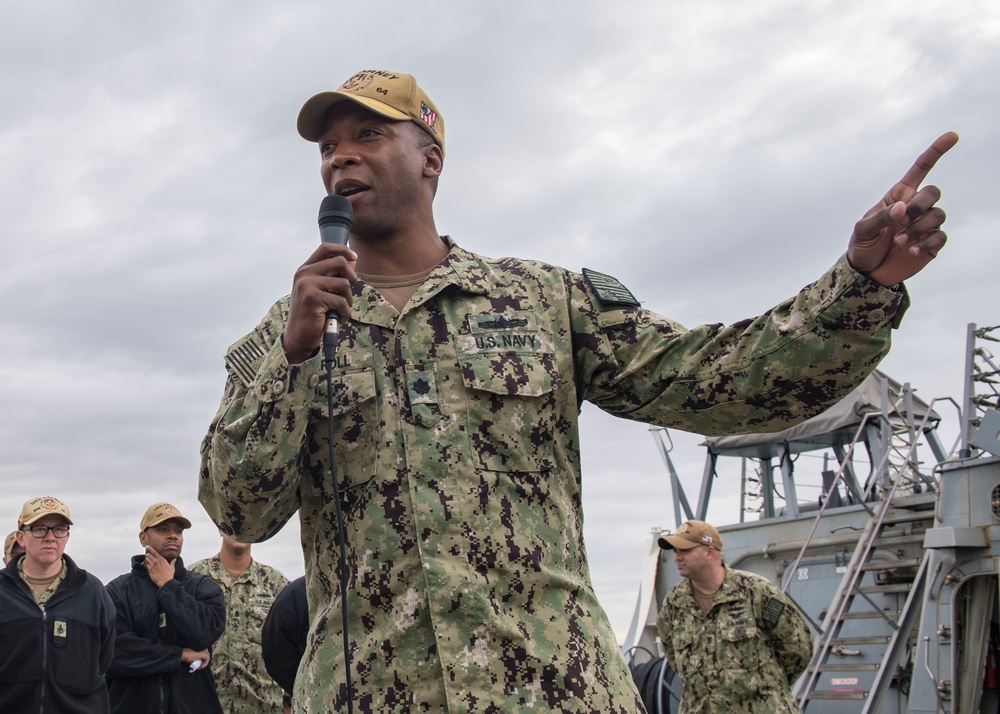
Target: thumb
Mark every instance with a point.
(870, 227)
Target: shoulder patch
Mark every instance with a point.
(609, 291)
(245, 357)
(773, 610)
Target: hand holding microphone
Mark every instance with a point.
(321, 290)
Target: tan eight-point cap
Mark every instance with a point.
(393, 95)
(159, 512)
(42, 506)
(690, 535)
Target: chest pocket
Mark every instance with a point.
(689, 653)
(511, 382)
(739, 645)
(356, 426)
(256, 612)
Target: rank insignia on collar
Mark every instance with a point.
(422, 387)
(609, 291)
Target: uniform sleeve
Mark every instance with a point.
(786, 631)
(251, 456)
(664, 627)
(761, 374)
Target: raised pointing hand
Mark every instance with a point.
(902, 233)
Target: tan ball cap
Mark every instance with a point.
(8, 544)
(42, 506)
(690, 535)
(393, 95)
(159, 512)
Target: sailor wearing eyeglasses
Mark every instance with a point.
(57, 623)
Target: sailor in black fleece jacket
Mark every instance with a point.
(57, 634)
(168, 619)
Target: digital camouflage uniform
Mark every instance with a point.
(458, 458)
(743, 656)
(243, 684)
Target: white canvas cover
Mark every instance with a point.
(837, 425)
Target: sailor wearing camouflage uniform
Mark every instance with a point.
(735, 640)
(457, 391)
(250, 588)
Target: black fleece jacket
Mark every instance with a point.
(53, 659)
(154, 625)
(283, 636)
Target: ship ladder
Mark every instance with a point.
(829, 640)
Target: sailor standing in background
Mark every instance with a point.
(735, 640)
(57, 623)
(11, 547)
(283, 639)
(168, 619)
(250, 588)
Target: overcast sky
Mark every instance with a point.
(714, 156)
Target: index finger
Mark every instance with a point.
(325, 251)
(925, 162)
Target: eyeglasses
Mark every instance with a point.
(42, 531)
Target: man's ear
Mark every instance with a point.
(433, 161)
(142, 538)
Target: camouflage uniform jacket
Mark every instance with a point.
(744, 655)
(243, 684)
(458, 459)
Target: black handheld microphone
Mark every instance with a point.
(335, 218)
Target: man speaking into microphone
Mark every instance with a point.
(456, 393)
